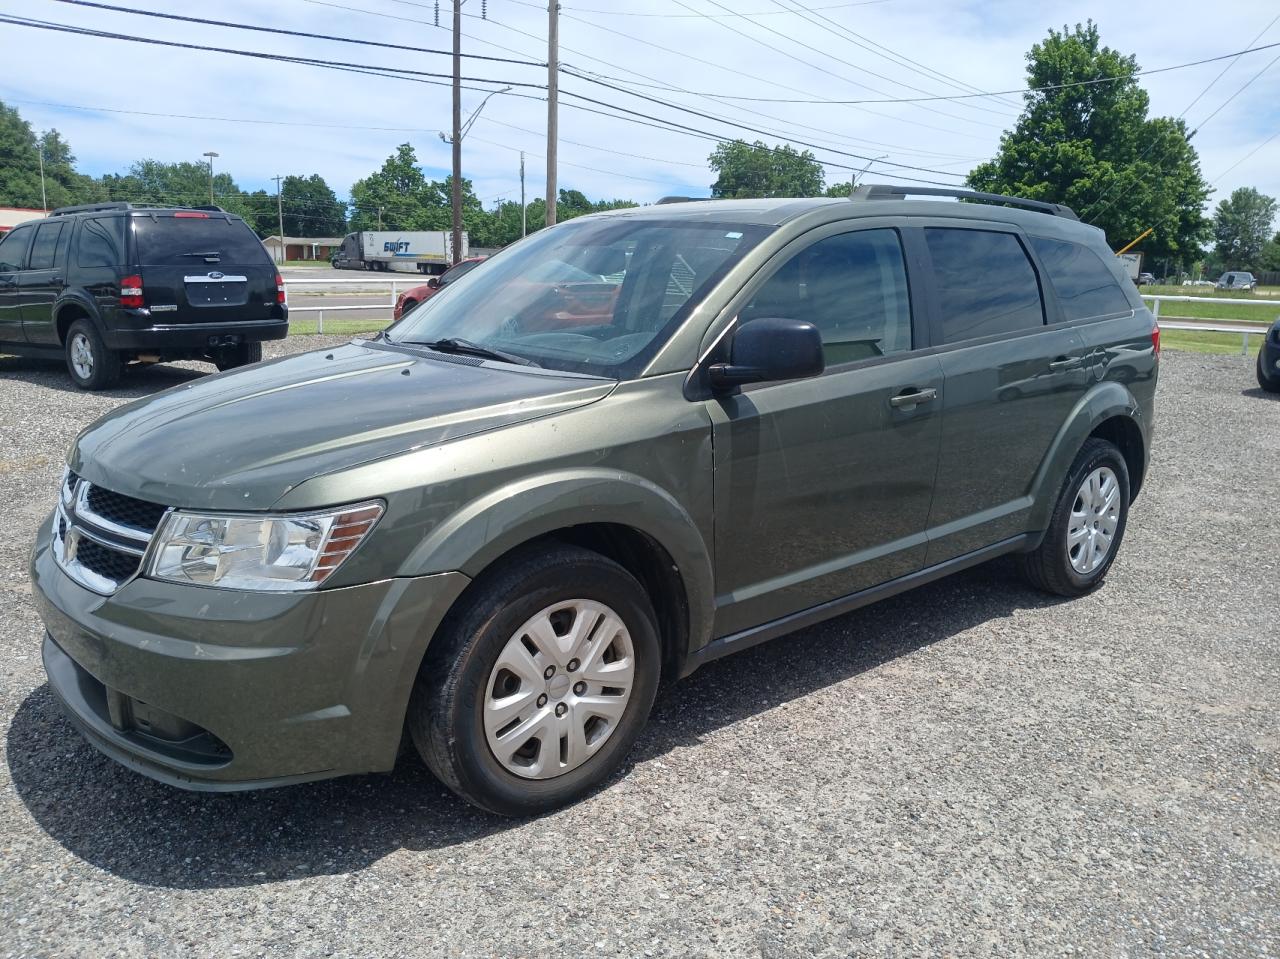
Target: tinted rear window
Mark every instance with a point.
(986, 284)
(1084, 285)
(101, 242)
(165, 241)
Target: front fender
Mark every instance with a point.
(1104, 401)
(474, 536)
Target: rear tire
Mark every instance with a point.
(243, 354)
(1268, 381)
(561, 720)
(1087, 524)
(91, 365)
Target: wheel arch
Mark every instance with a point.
(68, 311)
(1108, 411)
(621, 516)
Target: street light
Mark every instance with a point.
(472, 119)
(853, 185)
(460, 131)
(210, 154)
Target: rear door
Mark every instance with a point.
(44, 279)
(13, 261)
(203, 268)
(1011, 377)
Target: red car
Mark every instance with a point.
(411, 297)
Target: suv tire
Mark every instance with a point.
(240, 355)
(453, 717)
(91, 365)
(1086, 526)
(1268, 381)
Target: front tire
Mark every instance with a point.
(1268, 381)
(539, 683)
(91, 365)
(1087, 524)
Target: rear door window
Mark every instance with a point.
(101, 242)
(45, 245)
(1082, 282)
(986, 284)
(852, 287)
(197, 241)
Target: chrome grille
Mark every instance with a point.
(100, 536)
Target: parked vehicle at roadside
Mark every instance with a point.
(103, 284)
(1236, 280)
(411, 297)
(1269, 360)
(1146, 279)
(496, 527)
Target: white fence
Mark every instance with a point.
(374, 283)
(1244, 328)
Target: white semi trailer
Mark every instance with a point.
(427, 251)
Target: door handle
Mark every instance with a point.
(56, 281)
(1066, 363)
(908, 399)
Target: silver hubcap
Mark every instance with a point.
(1094, 518)
(81, 356)
(559, 689)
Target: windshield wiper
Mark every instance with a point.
(211, 255)
(453, 344)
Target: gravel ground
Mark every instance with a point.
(968, 770)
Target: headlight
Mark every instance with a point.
(286, 552)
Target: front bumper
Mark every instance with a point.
(222, 690)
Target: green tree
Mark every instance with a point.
(310, 208)
(393, 195)
(1240, 227)
(1094, 148)
(1269, 259)
(185, 183)
(759, 170)
(20, 156)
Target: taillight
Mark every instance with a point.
(279, 288)
(131, 291)
(1155, 339)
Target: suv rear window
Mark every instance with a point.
(986, 284)
(172, 240)
(1084, 285)
(101, 242)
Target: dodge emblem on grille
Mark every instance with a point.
(70, 544)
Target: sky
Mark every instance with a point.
(701, 54)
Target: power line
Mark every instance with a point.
(1219, 177)
(290, 33)
(676, 16)
(837, 59)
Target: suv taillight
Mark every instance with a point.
(131, 291)
(1155, 339)
(279, 288)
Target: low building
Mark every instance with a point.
(301, 247)
(11, 216)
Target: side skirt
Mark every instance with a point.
(756, 635)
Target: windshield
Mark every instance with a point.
(596, 296)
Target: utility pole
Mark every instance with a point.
(44, 200)
(456, 192)
(280, 215)
(379, 218)
(524, 221)
(553, 94)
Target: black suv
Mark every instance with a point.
(107, 283)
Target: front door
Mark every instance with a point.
(822, 486)
(13, 259)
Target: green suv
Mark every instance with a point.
(623, 447)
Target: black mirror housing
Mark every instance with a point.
(768, 349)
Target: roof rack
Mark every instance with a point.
(125, 205)
(681, 199)
(885, 191)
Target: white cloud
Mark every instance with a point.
(981, 43)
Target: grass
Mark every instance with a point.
(1225, 343)
(307, 327)
(304, 263)
(1266, 311)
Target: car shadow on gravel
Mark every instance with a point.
(1260, 394)
(138, 380)
(149, 833)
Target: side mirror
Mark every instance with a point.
(434, 283)
(768, 349)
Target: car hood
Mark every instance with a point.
(241, 440)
